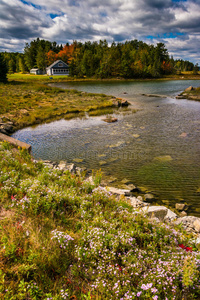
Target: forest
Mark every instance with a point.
(132, 59)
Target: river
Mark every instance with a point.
(158, 147)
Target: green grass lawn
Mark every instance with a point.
(28, 102)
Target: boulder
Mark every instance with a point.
(136, 203)
(170, 216)
(7, 127)
(124, 103)
(119, 192)
(189, 223)
(71, 168)
(197, 225)
(159, 212)
(131, 187)
(183, 214)
(181, 206)
(190, 88)
(149, 197)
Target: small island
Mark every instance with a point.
(191, 93)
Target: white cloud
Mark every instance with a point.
(147, 20)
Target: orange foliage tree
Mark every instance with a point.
(51, 57)
(67, 53)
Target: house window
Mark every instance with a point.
(60, 65)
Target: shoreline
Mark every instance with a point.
(141, 201)
(11, 129)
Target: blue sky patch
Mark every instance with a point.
(166, 35)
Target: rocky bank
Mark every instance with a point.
(140, 200)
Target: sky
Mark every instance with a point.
(176, 23)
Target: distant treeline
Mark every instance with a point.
(132, 59)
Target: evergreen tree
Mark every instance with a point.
(3, 69)
(41, 58)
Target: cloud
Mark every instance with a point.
(171, 21)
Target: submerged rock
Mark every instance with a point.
(163, 158)
(149, 197)
(110, 120)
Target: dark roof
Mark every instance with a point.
(57, 61)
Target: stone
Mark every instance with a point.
(131, 187)
(170, 216)
(126, 181)
(136, 135)
(119, 192)
(163, 158)
(189, 223)
(78, 160)
(3, 131)
(183, 214)
(110, 120)
(181, 96)
(197, 225)
(181, 206)
(159, 212)
(124, 102)
(7, 127)
(140, 198)
(136, 203)
(183, 134)
(102, 162)
(190, 88)
(71, 168)
(143, 189)
(149, 197)
(62, 165)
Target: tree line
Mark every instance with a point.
(132, 59)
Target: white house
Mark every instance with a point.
(37, 71)
(58, 68)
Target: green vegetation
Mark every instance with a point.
(30, 102)
(3, 69)
(191, 94)
(64, 238)
(132, 59)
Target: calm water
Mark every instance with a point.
(157, 147)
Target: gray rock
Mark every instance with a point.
(62, 165)
(149, 197)
(131, 187)
(159, 212)
(190, 88)
(7, 127)
(140, 198)
(71, 168)
(189, 223)
(196, 225)
(3, 131)
(181, 206)
(119, 192)
(183, 214)
(136, 203)
(170, 216)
